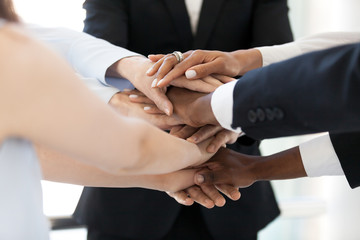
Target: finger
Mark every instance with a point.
(212, 81)
(193, 85)
(223, 78)
(204, 133)
(185, 132)
(154, 68)
(230, 191)
(132, 91)
(162, 101)
(152, 109)
(205, 69)
(181, 197)
(155, 57)
(175, 129)
(220, 139)
(212, 192)
(200, 197)
(211, 177)
(180, 68)
(140, 99)
(169, 62)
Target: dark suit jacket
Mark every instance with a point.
(154, 26)
(315, 92)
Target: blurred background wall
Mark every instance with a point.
(322, 208)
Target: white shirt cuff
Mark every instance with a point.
(222, 102)
(319, 157)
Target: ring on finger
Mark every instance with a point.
(178, 55)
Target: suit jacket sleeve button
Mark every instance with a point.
(252, 116)
(279, 114)
(260, 114)
(269, 114)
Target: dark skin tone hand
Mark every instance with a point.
(240, 170)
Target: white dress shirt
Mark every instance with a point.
(194, 9)
(318, 156)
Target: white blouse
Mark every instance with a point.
(21, 209)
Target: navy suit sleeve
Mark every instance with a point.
(315, 92)
(270, 23)
(107, 19)
(347, 149)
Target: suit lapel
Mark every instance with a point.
(178, 12)
(209, 13)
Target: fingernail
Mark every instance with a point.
(153, 84)
(192, 139)
(167, 111)
(126, 90)
(190, 74)
(149, 70)
(211, 148)
(147, 108)
(159, 82)
(200, 178)
(133, 96)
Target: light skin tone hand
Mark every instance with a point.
(201, 63)
(134, 69)
(123, 104)
(239, 170)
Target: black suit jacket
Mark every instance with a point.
(162, 26)
(315, 92)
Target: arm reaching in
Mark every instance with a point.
(239, 170)
(33, 106)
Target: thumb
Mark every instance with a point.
(209, 177)
(162, 101)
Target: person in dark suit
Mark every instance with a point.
(311, 93)
(152, 26)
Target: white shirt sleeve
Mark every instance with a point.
(319, 157)
(307, 44)
(89, 56)
(222, 102)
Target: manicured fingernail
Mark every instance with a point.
(211, 148)
(126, 90)
(159, 82)
(133, 96)
(190, 74)
(153, 84)
(200, 178)
(167, 111)
(147, 108)
(149, 70)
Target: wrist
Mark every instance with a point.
(247, 60)
(202, 111)
(126, 67)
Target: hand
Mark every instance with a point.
(201, 63)
(206, 195)
(134, 69)
(197, 135)
(127, 104)
(240, 170)
(192, 108)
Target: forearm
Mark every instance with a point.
(284, 165)
(61, 168)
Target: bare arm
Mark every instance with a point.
(33, 106)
